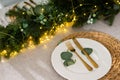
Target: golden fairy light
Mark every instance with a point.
(30, 43)
(66, 15)
(40, 27)
(74, 18)
(61, 28)
(81, 4)
(95, 6)
(13, 54)
(45, 38)
(106, 3)
(64, 30)
(69, 24)
(23, 13)
(84, 14)
(4, 52)
(42, 9)
(23, 47)
(118, 1)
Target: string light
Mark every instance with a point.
(65, 30)
(46, 37)
(40, 27)
(106, 3)
(118, 1)
(30, 43)
(69, 24)
(42, 9)
(23, 13)
(13, 54)
(73, 11)
(74, 18)
(66, 15)
(95, 6)
(84, 14)
(4, 52)
(81, 4)
(22, 50)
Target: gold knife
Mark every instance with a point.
(72, 49)
(86, 54)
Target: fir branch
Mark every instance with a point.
(7, 34)
(39, 18)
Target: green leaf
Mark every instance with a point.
(66, 55)
(2, 35)
(38, 9)
(88, 50)
(111, 19)
(69, 62)
(25, 25)
(41, 17)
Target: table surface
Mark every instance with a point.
(36, 64)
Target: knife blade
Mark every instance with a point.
(86, 54)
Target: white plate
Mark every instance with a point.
(78, 71)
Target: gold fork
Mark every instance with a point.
(72, 49)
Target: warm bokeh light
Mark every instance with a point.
(13, 54)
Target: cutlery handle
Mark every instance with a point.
(91, 60)
(86, 54)
(85, 64)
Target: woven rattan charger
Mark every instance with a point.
(112, 44)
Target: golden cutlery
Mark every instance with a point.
(86, 54)
(72, 49)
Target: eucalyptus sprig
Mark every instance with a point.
(67, 57)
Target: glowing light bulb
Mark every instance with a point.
(66, 15)
(42, 9)
(81, 4)
(23, 13)
(95, 6)
(4, 52)
(73, 11)
(30, 37)
(30, 43)
(74, 18)
(13, 54)
(46, 37)
(106, 3)
(40, 27)
(65, 30)
(84, 14)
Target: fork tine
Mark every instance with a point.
(69, 46)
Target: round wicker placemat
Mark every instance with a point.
(112, 44)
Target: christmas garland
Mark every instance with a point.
(30, 24)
